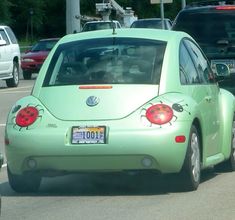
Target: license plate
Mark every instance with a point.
(88, 135)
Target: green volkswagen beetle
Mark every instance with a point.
(122, 100)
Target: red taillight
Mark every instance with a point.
(159, 114)
(226, 7)
(26, 116)
(180, 139)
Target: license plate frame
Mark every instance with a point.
(88, 135)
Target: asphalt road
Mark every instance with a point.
(111, 197)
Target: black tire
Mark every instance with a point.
(191, 171)
(231, 161)
(29, 182)
(14, 81)
(27, 75)
(229, 165)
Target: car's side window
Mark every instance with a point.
(11, 35)
(188, 72)
(4, 36)
(200, 61)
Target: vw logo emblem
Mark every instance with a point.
(92, 101)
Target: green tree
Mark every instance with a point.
(28, 17)
(33, 19)
(54, 20)
(5, 16)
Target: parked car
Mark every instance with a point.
(9, 56)
(152, 23)
(100, 25)
(33, 59)
(213, 26)
(122, 102)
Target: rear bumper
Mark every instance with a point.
(31, 67)
(46, 151)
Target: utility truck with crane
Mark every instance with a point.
(126, 15)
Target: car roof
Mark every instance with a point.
(145, 33)
(208, 5)
(3, 26)
(49, 39)
(151, 19)
(90, 22)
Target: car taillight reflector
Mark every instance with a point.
(159, 114)
(180, 139)
(226, 7)
(26, 116)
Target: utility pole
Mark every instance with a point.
(162, 14)
(73, 16)
(161, 2)
(183, 3)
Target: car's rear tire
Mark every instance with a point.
(14, 81)
(28, 182)
(231, 161)
(191, 170)
(27, 75)
(229, 165)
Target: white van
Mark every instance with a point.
(100, 25)
(9, 57)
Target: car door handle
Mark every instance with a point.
(208, 98)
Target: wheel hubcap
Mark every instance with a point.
(195, 157)
(16, 76)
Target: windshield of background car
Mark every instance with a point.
(106, 61)
(99, 26)
(213, 30)
(147, 24)
(44, 45)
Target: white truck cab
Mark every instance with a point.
(9, 57)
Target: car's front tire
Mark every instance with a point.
(28, 182)
(191, 171)
(14, 81)
(27, 75)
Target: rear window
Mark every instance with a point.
(106, 61)
(210, 27)
(45, 45)
(99, 26)
(11, 35)
(147, 24)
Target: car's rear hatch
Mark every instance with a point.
(105, 103)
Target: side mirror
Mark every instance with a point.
(3, 42)
(222, 71)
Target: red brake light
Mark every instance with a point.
(225, 7)
(180, 139)
(96, 87)
(26, 116)
(159, 114)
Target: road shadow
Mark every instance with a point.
(107, 185)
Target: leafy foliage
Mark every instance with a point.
(42, 18)
(5, 17)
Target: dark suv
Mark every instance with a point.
(212, 24)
